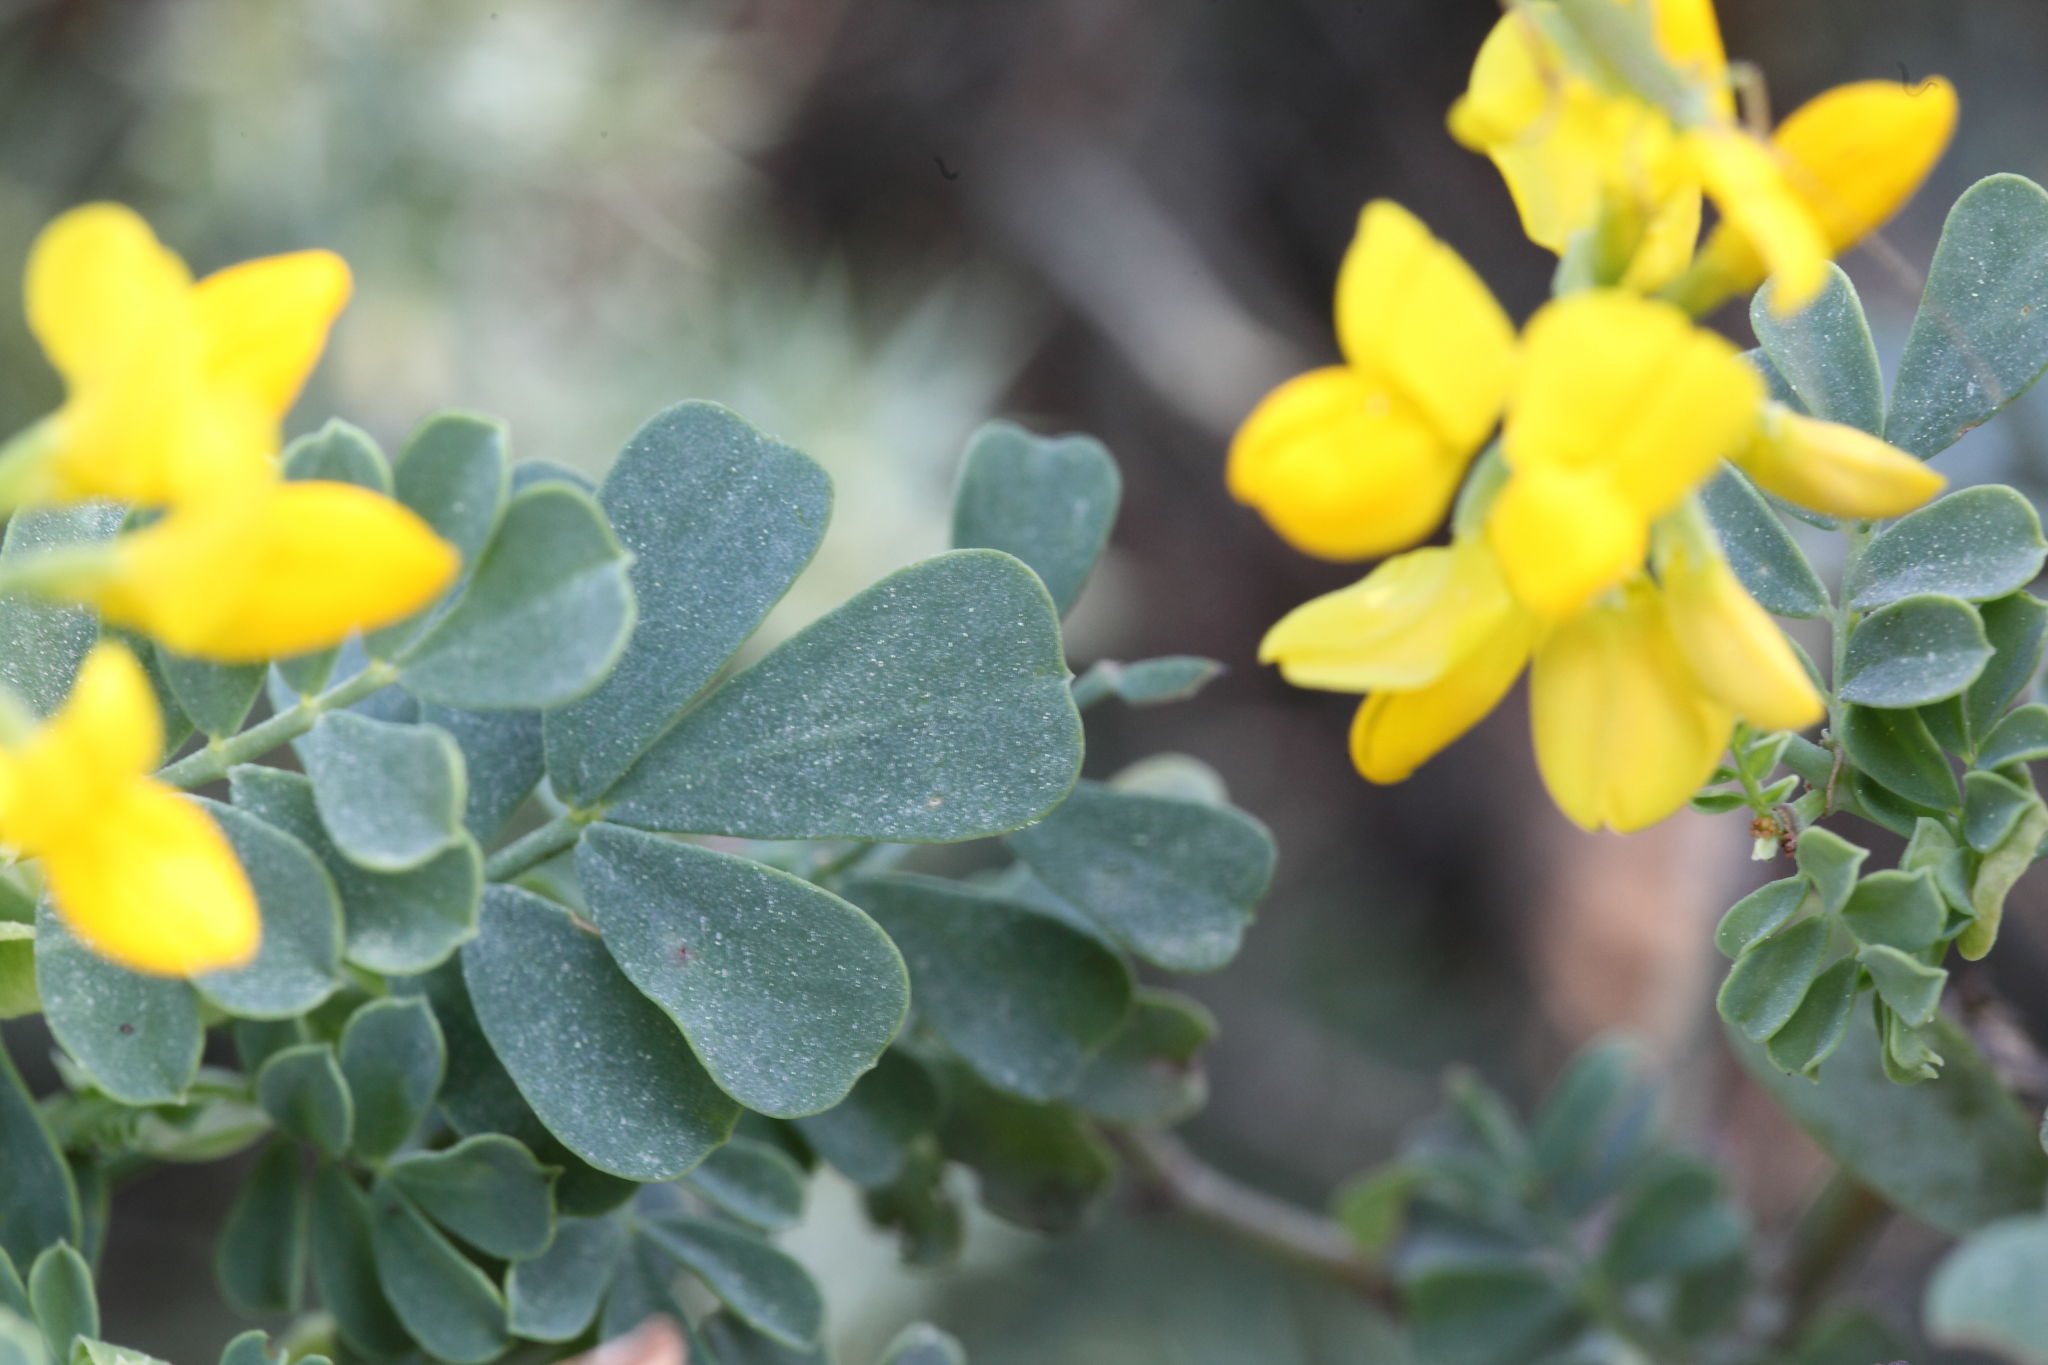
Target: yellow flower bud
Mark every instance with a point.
(1833, 468)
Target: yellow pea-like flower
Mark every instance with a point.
(1621, 408)
(1735, 650)
(1362, 459)
(136, 870)
(1394, 733)
(175, 389)
(269, 571)
(1625, 734)
(1834, 468)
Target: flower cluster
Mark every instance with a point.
(176, 391)
(1578, 545)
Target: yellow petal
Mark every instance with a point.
(99, 284)
(1412, 314)
(1563, 536)
(265, 322)
(1834, 468)
(1623, 734)
(106, 733)
(277, 570)
(1341, 469)
(1734, 648)
(1748, 183)
(1402, 626)
(1858, 152)
(1394, 733)
(150, 882)
(1665, 245)
(1630, 386)
(1690, 36)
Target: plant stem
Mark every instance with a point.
(1182, 1181)
(535, 847)
(212, 762)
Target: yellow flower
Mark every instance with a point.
(1621, 409)
(269, 571)
(1361, 459)
(1582, 154)
(136, 870)
(1624, 732)
(174, 390)
(1734, 649)
(1434, 638)
(1834, 468)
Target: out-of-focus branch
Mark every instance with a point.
(1175, 1178)
(1836, 1231)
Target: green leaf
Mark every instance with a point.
(1674, 1219)
(543, 618)
(931, 708)
(1760, 550)
(642, 1287)
(1954, 1152)
(1900, 909)
(60, 1291)
(1884, 807)
(1024, 998)
(923, 1344)
(39, 1199)
(13, 1293)
(1049, 500)
(393, 922)
(1373, 1205)
(554, 1297)
(18, 993)
(1977, 544)
(20, 1342)
(1766, 984)
(1148, 682)
(1895, 750)
(390, 796)
(758, 1184)
(446, 1304)
(216, 697)
(41, 646)
(604, 1069)
(1980, 338)
(763, 1286)
(261, 1259)
(2021, 737)
(1911, 987)
(338, 453)
(1487, 1314)
(250, 1348)
(393, 1058)
(867, 1136)
(786, 993)
(487, 1190)
(1996, 873)
(1174, 881)
(1594, 1129)
(452, 471)
(501, 757)
(137, 1037)
(1909, 1056)
(1825, 353)
(1913, 651)
(298, 963)
(1149, 1073)
(1829, 862)
(1991, 808)
(731, 1342)
(2017, 627)
(1760, 914)
(303, 1090)
(1985, 1294)
(345, 1267)
(1820, 1023)
(922, 1209)
(720, 520)
(1041, 1166)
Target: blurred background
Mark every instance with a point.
(868, 227)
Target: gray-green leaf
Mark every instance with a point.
(303, 1090)
(1986, 1294)
(1766, 984)
(391, 796)
(786, 992)
(1760, 550)
(554, 1296)
(137, 1036)
(720, 520)
(1976, 544)
(1980, 338)
(1049, 500)
(488, 1190)
(261, 1259)
(393, 1057)
(931, 708)
(448, 1305)
(754, 1182)
(763, 1286)
(1825, 353)
(38, 1200)
(1913, 651)
(298, 963)
(603, 1068)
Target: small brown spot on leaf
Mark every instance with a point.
(127, 1029)
(683, 954)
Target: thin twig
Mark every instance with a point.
(1179, 1180)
